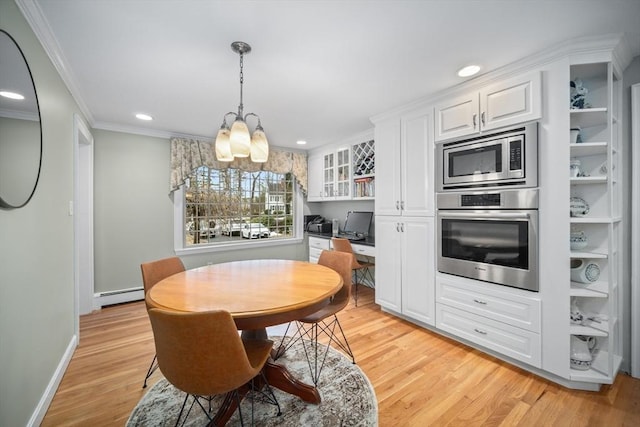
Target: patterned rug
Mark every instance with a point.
(347, 397)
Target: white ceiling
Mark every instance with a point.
(318, 69)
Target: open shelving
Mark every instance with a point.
(364, 169)
(597, 184)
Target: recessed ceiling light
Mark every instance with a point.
(469, 70)
(301, 142)
(144, 116)
(11, 95)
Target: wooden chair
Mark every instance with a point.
(152, 273)
(203, 355)
(344, 245)
(324, 320)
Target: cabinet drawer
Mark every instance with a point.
(363, 250)
(319, 243)
(508, 340)
(314, 254)
(490, 301)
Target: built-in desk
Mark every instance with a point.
(322, 241)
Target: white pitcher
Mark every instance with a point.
(582, 349)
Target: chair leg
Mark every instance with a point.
(355, 272)
(284, 345)
(313, 332)
(152, 369)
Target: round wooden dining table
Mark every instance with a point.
(257, 293)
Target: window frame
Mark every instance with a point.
(179, 230)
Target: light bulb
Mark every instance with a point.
(240, 139)
(223, 146)
(259, 146)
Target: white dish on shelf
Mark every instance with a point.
(578, 207)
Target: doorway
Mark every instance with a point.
(82, 210)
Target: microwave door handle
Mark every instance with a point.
(484, 215)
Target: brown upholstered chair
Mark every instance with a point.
(344, 245)
(152, 273)
(325, 319)
(203, 355)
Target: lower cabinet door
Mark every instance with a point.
(505, 339)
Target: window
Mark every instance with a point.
(230, 205)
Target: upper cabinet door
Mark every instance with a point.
(315, 182)
(457, 116)
(417, 165)
(512, 101)
(388, 169)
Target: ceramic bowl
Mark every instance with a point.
(578, 207)
(578, 240)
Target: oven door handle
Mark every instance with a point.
(486, 215)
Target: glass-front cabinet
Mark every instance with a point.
(595, 220)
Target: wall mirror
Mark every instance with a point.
(20, 127)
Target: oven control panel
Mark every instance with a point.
(480, 200)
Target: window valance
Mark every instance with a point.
(188, 154)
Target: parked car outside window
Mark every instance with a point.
(255, 231)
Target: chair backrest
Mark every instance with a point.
(200, 353)
(155, 271)
(344, 245)
(340, 262)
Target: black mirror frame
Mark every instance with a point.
(4, 204)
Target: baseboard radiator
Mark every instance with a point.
(104, 299)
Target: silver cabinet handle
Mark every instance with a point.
(480, 331)
(397, 205)
(398, 227)
(475, 117)
(402, 205)
(482, 118)
(402, 227)
(480, 302)
(485, 215)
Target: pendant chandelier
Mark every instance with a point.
(236, 141)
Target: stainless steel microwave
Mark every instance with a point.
(506, 157)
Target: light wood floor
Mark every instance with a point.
(420, 378)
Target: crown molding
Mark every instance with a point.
(611, 47)
(38, 23)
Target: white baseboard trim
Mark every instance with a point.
(52, 387)
(104, 299)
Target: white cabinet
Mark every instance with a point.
(316, 246)
(404, 166)
(329, 175)
(405, 266)
(505, 320)
(504, 103)
(344, 171)
(597, 234)
(315, 188)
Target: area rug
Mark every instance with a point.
(348, 399)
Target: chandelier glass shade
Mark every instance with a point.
(237, 141)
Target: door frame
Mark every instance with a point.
(82, 210)
(635, 230)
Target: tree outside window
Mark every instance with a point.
(223, 205)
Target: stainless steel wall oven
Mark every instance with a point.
(490, 236)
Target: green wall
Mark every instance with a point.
(36, 248)
(133, 212)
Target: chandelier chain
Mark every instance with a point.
(241, 107)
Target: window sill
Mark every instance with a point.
(239, 245)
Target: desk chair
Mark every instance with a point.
(325, 319)
(344, 245)
(152, 273)
(202, 354)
